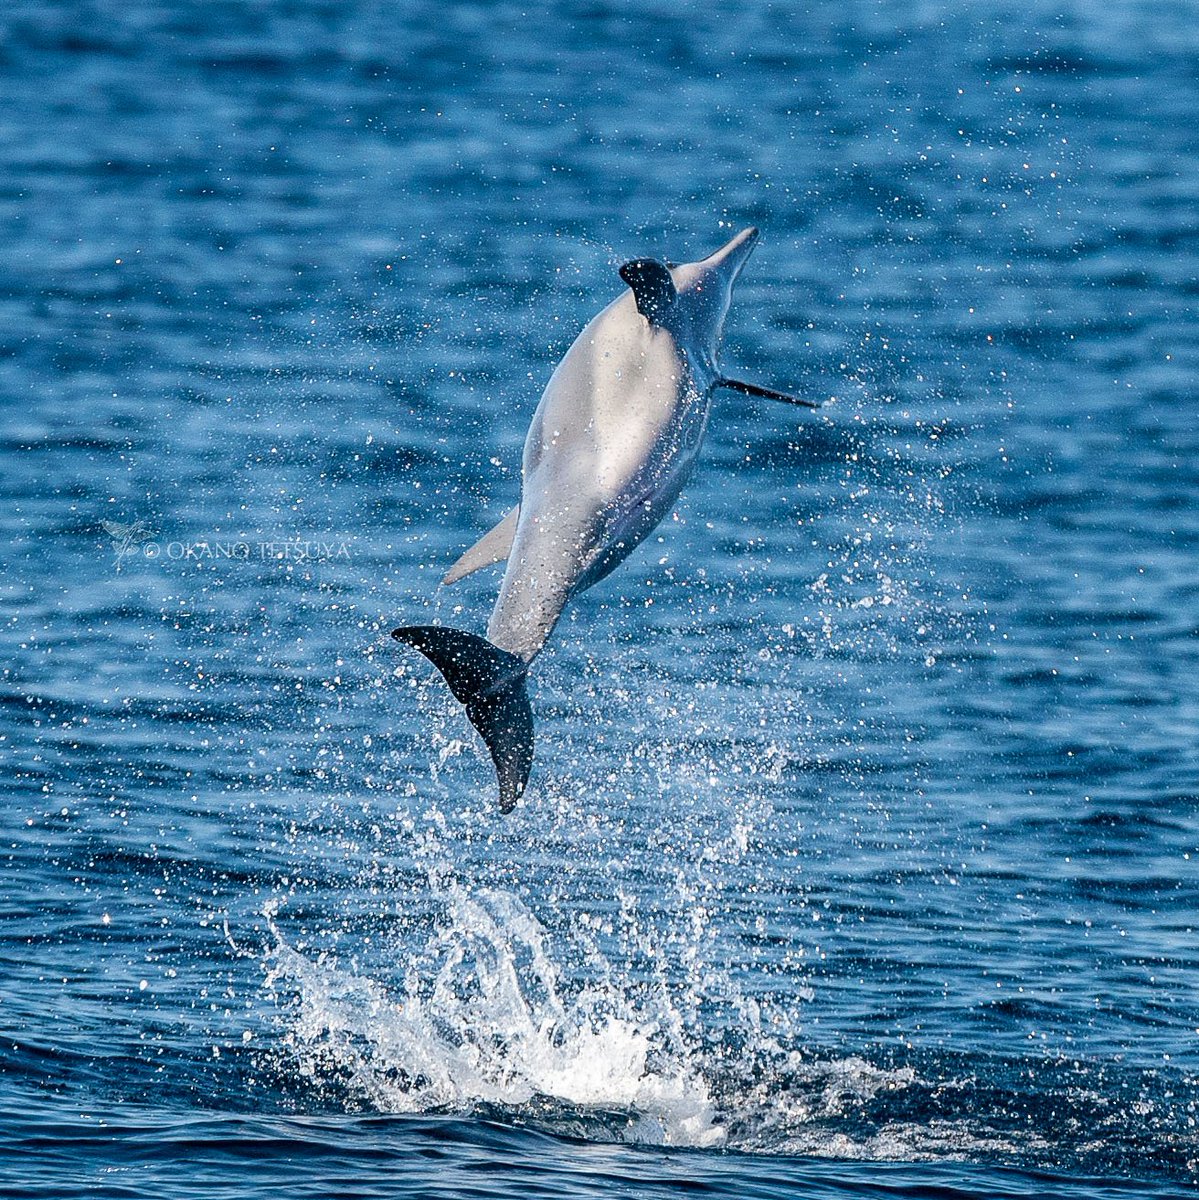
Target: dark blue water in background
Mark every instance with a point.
(860, 853)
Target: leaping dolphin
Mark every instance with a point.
(612, 442)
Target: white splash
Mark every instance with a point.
(482, 1017)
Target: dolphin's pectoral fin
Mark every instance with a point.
(491, 683)
(653, 288)
(493, 547)
(753, 389)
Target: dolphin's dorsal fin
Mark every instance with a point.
(493, 547)
(653, 288)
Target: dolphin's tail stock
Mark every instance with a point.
(491, 683)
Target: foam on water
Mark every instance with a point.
(482, 1017)
(484, 1020)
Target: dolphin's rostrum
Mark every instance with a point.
(611, 445)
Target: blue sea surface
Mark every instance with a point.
(861, 851)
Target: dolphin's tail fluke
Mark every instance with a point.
(491, 683)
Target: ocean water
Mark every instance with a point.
(860, 853)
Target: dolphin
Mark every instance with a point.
(611, 445)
